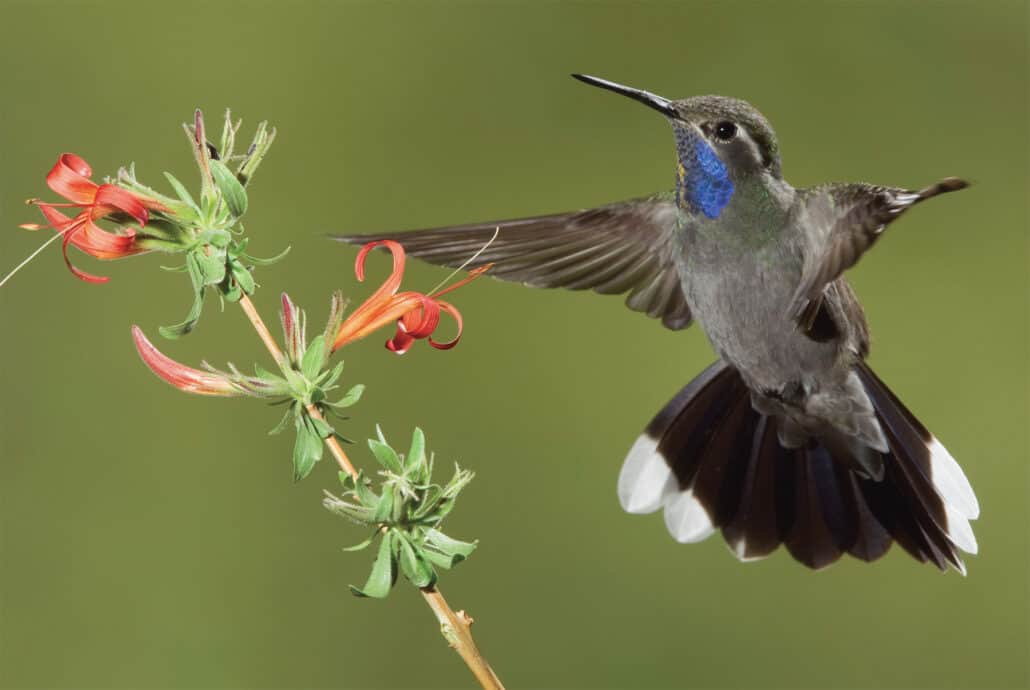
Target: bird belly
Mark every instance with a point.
(740, 299)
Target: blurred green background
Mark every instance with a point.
(149, 538)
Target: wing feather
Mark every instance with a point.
(629, 247)
(845, 220)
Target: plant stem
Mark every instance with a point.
(455, 627)
(277, 354)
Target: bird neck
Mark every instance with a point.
(756, 213)
(703, 183)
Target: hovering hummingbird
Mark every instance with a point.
(789, 437)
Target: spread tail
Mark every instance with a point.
(714, 463)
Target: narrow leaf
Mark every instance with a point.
(384, 509)
(381, 579)
(363, 545)
(211, 267)
(314, 358)
(243, 277)
(233, 193)
(416, 459)
(386, 456)
(414, 565)
(258, 261)
(445, 544)
(181, 191)
(352, 396)
(363, 490)
(441, 560)
(307, 449)
(181, 329)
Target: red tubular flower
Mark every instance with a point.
(179, 375)
(70, 179)
(415, 314)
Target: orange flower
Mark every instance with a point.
(416, 315)
(179, 375)
(70, 179)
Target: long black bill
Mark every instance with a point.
(662, 105)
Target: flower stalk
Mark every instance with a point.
(331, 442)
(209, 234)
(454, 626)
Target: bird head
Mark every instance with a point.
(720, 142)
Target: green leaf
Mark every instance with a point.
(352, 396)
(181, 191)
(307, 449)
(257, 261)
(383, 574)
(181, 329)
(430, 500)
(314, 358)
(228, 140)
(281, 426)
(414, 565)
(452, 547)
(320, 427)
(233, 293)
(416, 459)
(364, 492)
(243, 277)
(442, 560)
(384, 509)
(211, 266)
(386, 456)
(330, 376)
(233, 193)
(256, 152)
(363, 545)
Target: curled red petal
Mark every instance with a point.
(77, 272)
(111, 198)
(102, 244)
(452, 310)
(420, 322)
(70, 178)
(400, 342)
(393, 282)
(399, 259)
(378, 299)
(179, 375)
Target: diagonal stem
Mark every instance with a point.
(455, 627)
(277, 354)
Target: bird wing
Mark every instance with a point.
(843, 221)
(624, 247)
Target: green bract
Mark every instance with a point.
(405, 514)
(309, 382)
(209, 231)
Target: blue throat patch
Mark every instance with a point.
(702, 180)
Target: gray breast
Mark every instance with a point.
(739, 286)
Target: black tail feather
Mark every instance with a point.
(725, 456)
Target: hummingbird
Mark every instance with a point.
(789, 437)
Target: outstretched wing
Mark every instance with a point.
(842, 221)
(625, 247)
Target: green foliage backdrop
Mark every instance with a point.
(148, 538)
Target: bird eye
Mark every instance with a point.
(725, 131)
